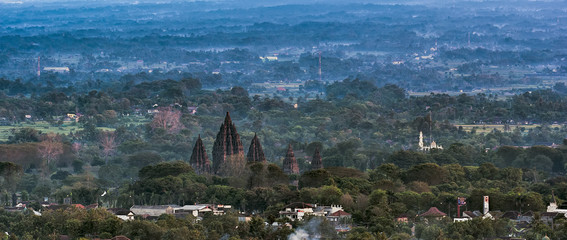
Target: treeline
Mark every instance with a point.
(358, 125)
(374, 198)
(78, 223)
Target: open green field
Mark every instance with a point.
(66, 128)
(486, 128)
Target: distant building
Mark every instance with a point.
(433, 213)
(269, 58)
(298, 211)
(122, 213)
(431, 146)
(195, 210)
(555, 209)
(403, 218)
(338, 216)
(153, 211)
(56, 69)
(192, 110)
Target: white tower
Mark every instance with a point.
(485, 205)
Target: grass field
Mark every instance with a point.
(486, 128)
(66, 128)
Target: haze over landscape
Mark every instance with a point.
(283, 119)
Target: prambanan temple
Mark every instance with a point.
(199, 159)
(228, 148)
(317, 162)
(255, 152)
(290, 165)
(227, 145)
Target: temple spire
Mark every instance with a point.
(255, 152)
(317, 161)
(290, 165)
(227, 144)
(199, 159)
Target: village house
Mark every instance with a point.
(195, 210)
(153, 211)
(339, 216)
(403, 218)
(433, 214)
(298, 211)
(192, 110)
(122, 213)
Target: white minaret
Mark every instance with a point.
(485, 205)
(420, 140)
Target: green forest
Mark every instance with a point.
(283, 119)
(367, 135)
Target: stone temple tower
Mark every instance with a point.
(227, 146)
(255, 152)
(290, 165)
(317, 161)
(199, 159)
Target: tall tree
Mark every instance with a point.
(49, 149)
(168, 119)
(108, 144)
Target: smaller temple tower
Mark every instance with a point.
(290, 165)
(317, 161)
(255, 152)
(199, 159)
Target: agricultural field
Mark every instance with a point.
(487, 128)
(66, 128)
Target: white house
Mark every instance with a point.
(195, 210)
(153, 211)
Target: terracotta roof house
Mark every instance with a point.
(338, 215)
(81, 206)
(433, 213)
(403, 218)
(120, 237)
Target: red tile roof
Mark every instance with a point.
(340, 213)
(433, 212)
(121, 237)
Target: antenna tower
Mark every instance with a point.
(430, 123)
(38, 67)
(320, 73)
